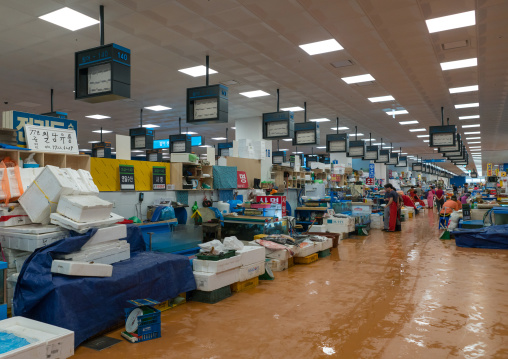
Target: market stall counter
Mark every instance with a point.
(90, 305)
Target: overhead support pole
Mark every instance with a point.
(51, 100)
(101, 19)
(141, 118)
(207, 70)
(337, 125)
(305, 111)
(278, 107)
(179, 125)
(442, 116)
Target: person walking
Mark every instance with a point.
(440, 200)
(390, 211)
(430, 197)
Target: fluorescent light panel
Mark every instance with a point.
(319, 120)
(468, 117)
(381, 98)
(417, 130)
(467, 105)
(368, 139)
(464, 89)
(98, 117)
(197, 71)
(426, 141)
(341, 128)
(396, 112)
(356, 79)
(256, 93)
(293, 109)
(190, 133)
(69, 19)
(475, 146)
(422, 136)
(472, 133)
(321, 47)
(151, 126)
(287, 139)
(450, 22)
(470, 126)
(471, 143)
(297, 152)
(473, 138)
(218, 138)
(408, 122)
(459, 64)
(321, 147)
(158, 108)
(103, 131)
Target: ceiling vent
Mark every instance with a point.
(455, 45)
(344, 63)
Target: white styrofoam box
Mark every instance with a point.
(341, 221)
(80, 183)
(277, 254)
(68, 223)
(305, 249)
(180, 157)
(84, 208)
(317, 165)
(216, 266)
(317, 228)
(278, 265)
(82, 269)
(326, 244)
(88, 180)
(107, 234)
(13, 215)
(105, 253)
(376, 225)
(251, 271)
(337, 228)
(46, 341)
(212, 281)
(33, 229)
(251, 254)
(27, 177)
(30, 242)
(41, 198)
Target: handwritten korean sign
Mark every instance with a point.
(49, 139)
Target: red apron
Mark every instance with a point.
(393, 216)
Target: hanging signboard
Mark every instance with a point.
(372, 170)
(279, 157)
(127, 178)
(101, 150)
(369, 181)
(158, 178)
(225, 149)
(207, 104)
(180, 143)
(102, 74)
(242, 179)
(371, 153)
(337, 142)
(442, 135)
(50, 139)
(489, 169)
(154, 155)
(278, 125)
(141, 138)
(274, 200)
(306, 133)
(384, 156)
(356, 149)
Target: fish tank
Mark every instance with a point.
(245, 231)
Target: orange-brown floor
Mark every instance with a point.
(388, 295)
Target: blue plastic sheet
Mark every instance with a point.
(493, 237)
(88, 305)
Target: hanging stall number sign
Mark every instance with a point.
(127, 178)
(273, 200)
(159, 177)
(50, 139)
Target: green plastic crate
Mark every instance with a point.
(212, 297)
(325, 253)
(217, 257)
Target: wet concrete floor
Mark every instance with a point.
(387, 295)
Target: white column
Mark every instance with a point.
(380, 169)
(251, 128)
(123, 147)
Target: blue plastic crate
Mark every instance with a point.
(149, 324)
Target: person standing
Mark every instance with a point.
(430, 197)
(439, 198)
(390, 212)
(455, 190)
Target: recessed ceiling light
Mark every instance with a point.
(321, 147)
(341, 128)
(459, 64)
(396, 112)
(233, 128)
(379, 144)
(422, 136)
(98, 117)
(205, 146)
(470, 143)
(321, 47)
(381, 98)
(319, 120)
(408, 122)
(464, 89)
(85, 150)
(473, 138)
(467, 105)
(475, 150)
(475, 146)
(94, 141)
(387, 147)
(158, 108)
(417, 130)
(282, 149)
(103, 131)
(357, 79)
(358, 134)
(151, 126)
(472, 133)
(137, 151)
(293, 109)
(197, 71)
(297, 152)
(287, 139)
(450, 22)
(144, 155)
(69, 19)
(189, 133)
(257, 93)
(368, 139)
(113, 153)
(469, 126)
(218, 138)
(426, 141)
(468, 117)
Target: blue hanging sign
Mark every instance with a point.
(372, 170)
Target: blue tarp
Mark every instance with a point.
(493, 237)
(88, 305)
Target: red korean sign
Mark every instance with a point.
(275, 200)
(242, 179)
(335, 178)
(369, 181)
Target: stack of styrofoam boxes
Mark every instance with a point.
(278, 258)
(340, 224)
(376, 221)
(245, 148)
(13, 215)
(252, 260)
(324, 245)
(15, 260)
(212, 275)
(104, 247)
(29, 237)
(318, 228)
(306, 248)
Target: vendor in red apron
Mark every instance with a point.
(391, 198)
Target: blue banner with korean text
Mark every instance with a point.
(17, 121)
(372, 170)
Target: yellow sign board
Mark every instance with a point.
(489, 169)
(502, 174)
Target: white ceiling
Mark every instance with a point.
(255, 42)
